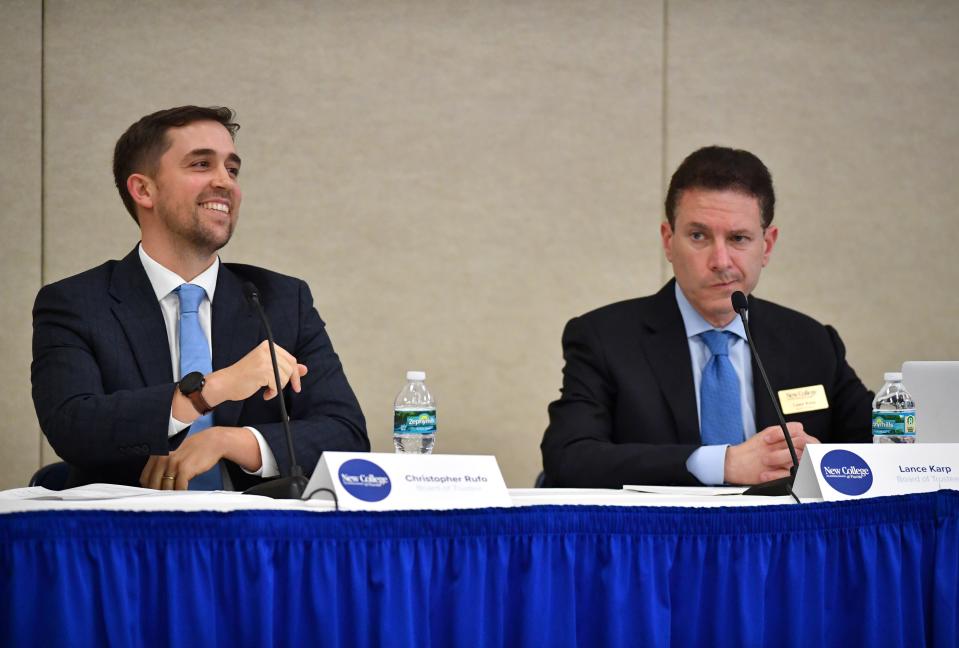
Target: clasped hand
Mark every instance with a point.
(765, 456)
(201, 451)
(197, 454)
(253, 372)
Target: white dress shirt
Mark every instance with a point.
(164, 283)
(707, 464)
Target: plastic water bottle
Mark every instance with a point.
(893, 412)
(414, 416)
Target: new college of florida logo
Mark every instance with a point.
(364, 480)
(846, 472)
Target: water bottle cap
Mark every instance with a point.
(416, 375)
(892, 376)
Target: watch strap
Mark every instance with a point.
(199, 403)
(191, 386)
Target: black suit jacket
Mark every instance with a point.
(103, 383)
(627, 412)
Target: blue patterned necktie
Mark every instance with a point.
(721, 418)
(195, 356)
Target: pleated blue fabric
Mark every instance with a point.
(875, 572)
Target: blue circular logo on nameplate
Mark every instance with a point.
(364, 480)
(846, 471)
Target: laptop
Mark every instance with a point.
(934, 386)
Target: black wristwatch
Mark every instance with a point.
(190, 386)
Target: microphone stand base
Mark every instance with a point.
(774, 488)
(280, 488)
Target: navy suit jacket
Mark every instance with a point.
(103, 383)
(627, 412)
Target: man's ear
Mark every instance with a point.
(666, 233)
(769, 240)
(142, 189)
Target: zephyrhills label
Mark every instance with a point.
(418, 421)
(893, 423)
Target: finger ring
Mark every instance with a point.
(170, 477)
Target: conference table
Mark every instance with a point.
(557, 568)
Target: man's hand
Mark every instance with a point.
(197, 454)
(252, 372)
(765, 456)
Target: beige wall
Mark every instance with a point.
(21, 249)
(456, 180)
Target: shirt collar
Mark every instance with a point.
(165, 281)
(696, 324)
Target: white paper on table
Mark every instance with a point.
(90, 492)
(112, 497)
(686, 491)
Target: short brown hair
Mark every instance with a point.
(140, 148)
(720, 168)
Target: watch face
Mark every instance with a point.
(191, 382)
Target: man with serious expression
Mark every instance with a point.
(661, 389)
(717, 246)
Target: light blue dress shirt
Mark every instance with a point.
(707, 463)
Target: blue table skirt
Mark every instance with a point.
(872, 572)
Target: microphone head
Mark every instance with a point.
(740, 303)
(250, 292)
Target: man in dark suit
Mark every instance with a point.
(154, 370)
(663, 390)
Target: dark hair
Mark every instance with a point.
(140, 148)
(722, 168)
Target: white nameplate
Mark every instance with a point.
(368, 481)
(848, 471)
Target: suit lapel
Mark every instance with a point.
(769, 348)
(668, 352)
(235, 331)
(138, 312)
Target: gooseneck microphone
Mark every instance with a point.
(292, 486)
(775, 487)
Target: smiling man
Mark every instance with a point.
(154, 370)
(662, 389)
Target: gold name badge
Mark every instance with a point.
(803, 399)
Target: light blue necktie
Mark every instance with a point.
(721, 418)
(195, 356)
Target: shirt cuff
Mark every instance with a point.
(175, 426)
(268, 467)
(708, 463)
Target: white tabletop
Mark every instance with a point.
(128, 498)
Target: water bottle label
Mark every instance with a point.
(414, 421)
(900, 423)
